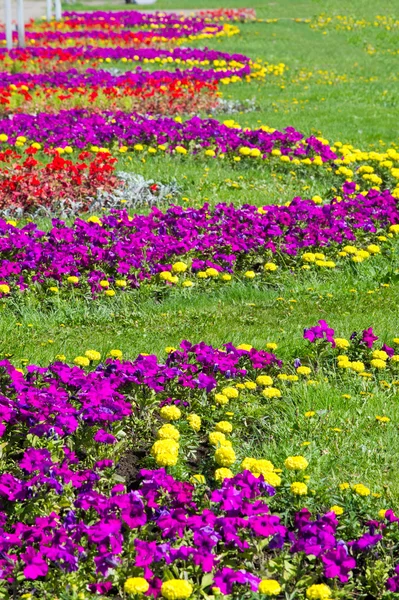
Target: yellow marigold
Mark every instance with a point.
(271, 392)
(296, 463)
(198, 478)
(394, 229)
(81, 361)
(303, 370)
(93, 354)
(361, 489)
(308, 257)
(338, 510)
(270, 267)
(211, 272)
(264, 380)
(216, 438)
(230, 392)
(250, 274)
(221, 399)
(382, 513)
(104, 283)
(319, 591)
(194, 421)
(344, 486)
(168, 432)
(136, 585)
(373, 249)
(247, 463)
(165, 276)
(310, 413)
(179, 267)
(5, 289)
(341, 343)
(225, 456)
(170, 413)
(121, 283)
(357, 366)
(271, 478)
(176, 589)
(73, 279)
(223, 473)
(298, 488)
(381, 354)
(250, 385)
(224, 427)
(115, 353)
(165, 452)
(269, 587)
(246, 347)
(226, 277)
(377, 363)
(271, 346)
(180, 150)
(262, 466)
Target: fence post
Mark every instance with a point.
(49, 6)
(7, 19)
(21, 23)
(58, 11)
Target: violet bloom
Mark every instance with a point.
(368, 337)
(338, 563)
(393, 582)
(35, 566)
(227, 578)
(320, 332)
(103, 437)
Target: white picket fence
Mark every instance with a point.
(53, 9)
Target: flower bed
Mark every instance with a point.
(85, 502)
(119, 252)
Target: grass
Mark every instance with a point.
(348, 95)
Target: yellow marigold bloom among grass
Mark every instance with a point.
(194, 421)
(269, 587)
(264, 380)
(338, 510)
(303, 370)
(115, 353)
(298, 488)
(271, 392)
(361, 489)
(81, 361)
(223, 473)
(93, 355)
(225, 456)
(170, 413)
(221, 399)
(198, 478)
(136, 585)
(318, 591)
(341, 343)
(270, 478)
(224, 427)
(296, 463)
(179, 267)
(176, 589)
(168, 432)
(230, 392)
(377, 363)
(216, 438)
